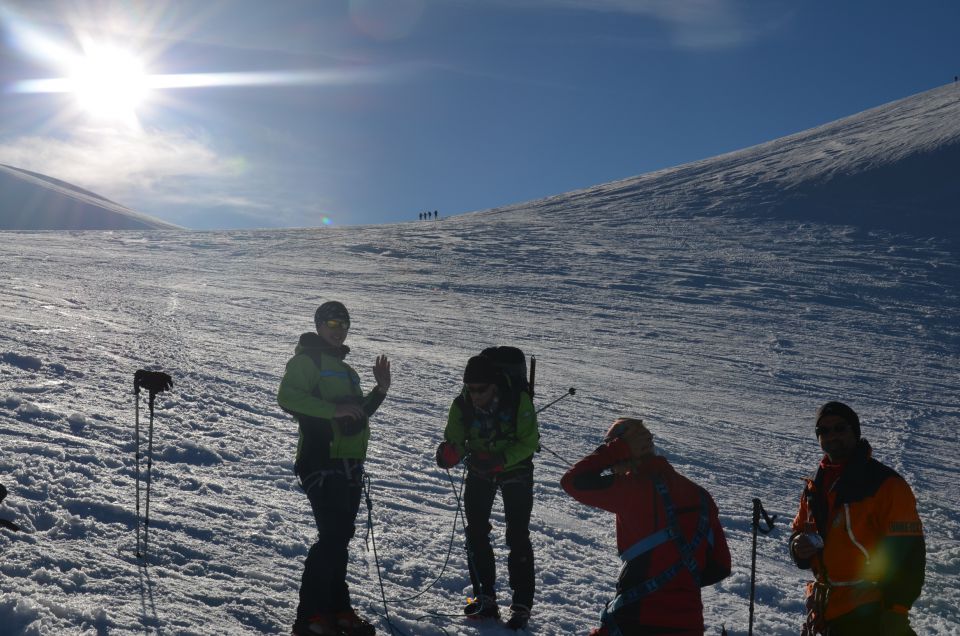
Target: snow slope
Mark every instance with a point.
(34, 201)
(695, 297)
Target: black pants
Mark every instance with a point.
(517, 491)
(335, 499)
(870, 620)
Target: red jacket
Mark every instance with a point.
(641, 513)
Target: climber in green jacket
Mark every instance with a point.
(323, 394)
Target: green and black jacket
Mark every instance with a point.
(510, 429)
(316, 380)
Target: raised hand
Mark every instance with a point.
(381, 372)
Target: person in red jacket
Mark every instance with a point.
(668, 534)
(858, 530)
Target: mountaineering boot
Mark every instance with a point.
(519, 617)
(482, 607)
(352, 625)
(319, 625)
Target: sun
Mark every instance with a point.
(109, 83)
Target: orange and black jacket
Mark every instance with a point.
(874, 553)
(672, 603)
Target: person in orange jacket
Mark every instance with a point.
(669, 536)
(858, 530)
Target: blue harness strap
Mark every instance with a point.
(646, 544)
(672, 532)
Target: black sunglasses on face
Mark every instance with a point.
(478, 390)
(827, 430)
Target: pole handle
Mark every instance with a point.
(153, 381)
(759, 511)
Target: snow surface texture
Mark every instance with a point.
(675, 297)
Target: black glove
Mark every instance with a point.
(350, 426)
(447, 455)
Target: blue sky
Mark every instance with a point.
(293, 114)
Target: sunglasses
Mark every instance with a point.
(827, 430)
(474, 389)
(337, 324)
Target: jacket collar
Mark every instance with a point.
(860, 456)
(853, 476)
(652, 466)
(315, 343)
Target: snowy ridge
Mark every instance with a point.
(892, 167)
(667, 296)
(34, 201)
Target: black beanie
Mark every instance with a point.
(331, 310)
(481, 370)
(843, 411)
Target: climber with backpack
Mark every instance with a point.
(669, 536)
(492, 427)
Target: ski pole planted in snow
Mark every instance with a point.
(154, 382)
(757, 511)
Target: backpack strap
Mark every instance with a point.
(670, 532)
(504, 420)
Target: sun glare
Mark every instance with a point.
(109, 83)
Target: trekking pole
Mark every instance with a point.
(757, 511)
(136, 446)
(562, 459)
(146, 518)
(570, 391)
(533, 375)
(155, 382)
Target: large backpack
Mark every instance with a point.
(513, 363)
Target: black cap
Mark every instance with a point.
(842, 411)
(481, 370)
(330, 310)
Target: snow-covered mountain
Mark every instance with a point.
(722, 301)
(34, 201)
(892, 168)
